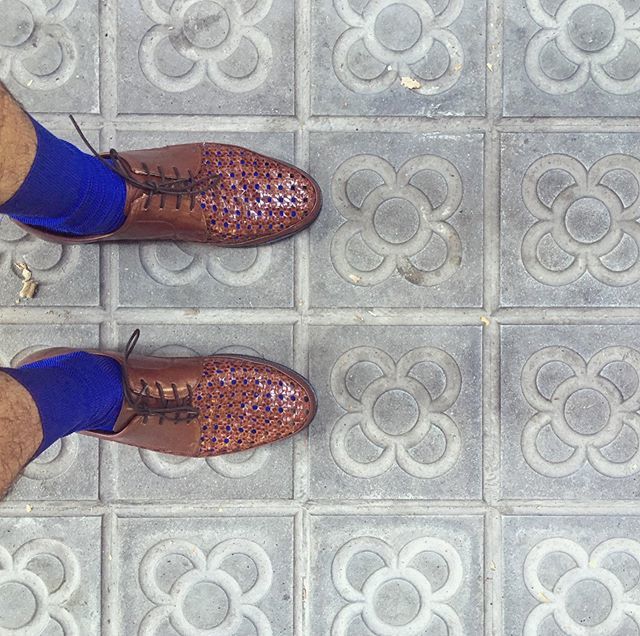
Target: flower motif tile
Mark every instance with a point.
(572, 57)
(206, 57)
(584, 242)
(395, 256)
(168, 274)
(402, 220)
(50, 575)
(569, 415)
(396, 575)
(49, 54)
(368, 51)
(398, 419)
(216, 576)
(571, 575)
(569, 220)
(208, 35)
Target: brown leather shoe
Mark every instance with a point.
(206, 193)
(200, 407)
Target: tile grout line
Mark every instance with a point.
(109, 329)
(490, 382)
(302, 53)
(301, 440)
(317, 317)
(300, 571)
(287, 508)
(491, 473)
(494, 580)
(490, 339)
(337, 123)
(108, 71)
(491, 333)
(109, 576)
(109, 111)
(321, 317)
(108, 334)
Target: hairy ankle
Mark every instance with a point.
(20, 430)
(17, 145)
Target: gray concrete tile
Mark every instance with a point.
(71, 268)
(402, 220)
(68, 469)
(210, 58)
(19, 341)
(569, 229)
(69, 133)
(571, 58)
(400, 412)
(569, 412)
(266, 472)
(195, 575)
(361, 51)
(53, 265)
(49, 54)
(167, 274)
(396, 575)
(50, 570)
(68, 275)
(571, 575)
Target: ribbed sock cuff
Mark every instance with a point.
(73, 392)
(68, 191)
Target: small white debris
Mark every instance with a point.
(485, 320)
(490, 67)
(355, 279)
(29, 286)
(410, 83)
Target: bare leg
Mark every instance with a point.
(17, 145)
(20, 430)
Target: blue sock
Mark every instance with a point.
(77, 391)
(68, 191)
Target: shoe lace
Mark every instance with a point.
(174, 408)
(168, 186)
